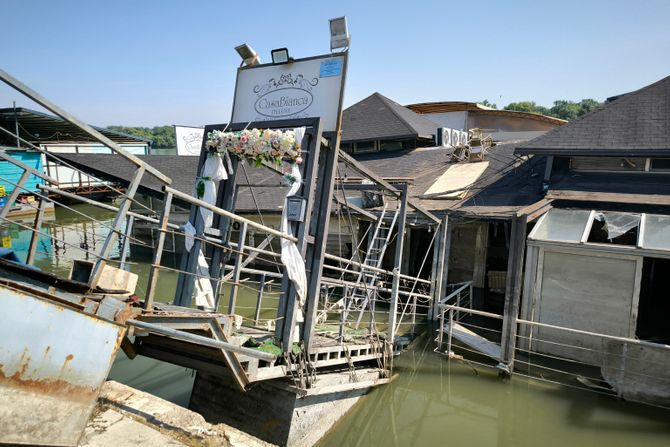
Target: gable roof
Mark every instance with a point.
(379, 118)
(633, 125)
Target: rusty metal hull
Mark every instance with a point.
(53, 361)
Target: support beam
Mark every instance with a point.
(363, 170)
(125, 247)
(117, 226)
(241, 242)
(35, 236)
(14, 194)
(439, 270)
(513, 292)
(154, 270)
(397, 264)
(320, 233)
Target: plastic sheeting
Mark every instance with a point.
(617, 224)
(290, 255)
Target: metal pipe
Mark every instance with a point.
(232, 216)
(200, 340)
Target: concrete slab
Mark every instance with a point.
(112, 428)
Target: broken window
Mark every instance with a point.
(614, 228)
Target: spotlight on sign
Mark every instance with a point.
(280, 56)
(339, 33)
(248, 55)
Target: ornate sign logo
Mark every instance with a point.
(288, 96)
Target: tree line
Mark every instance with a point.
(162, 136)
(563, 109)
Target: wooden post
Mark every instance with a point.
(513, 293)
(259, 302)
(35, 237)
(241, 241)
(481, 245)
(397, 264)
(158, 253)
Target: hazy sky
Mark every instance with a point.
(168, 62)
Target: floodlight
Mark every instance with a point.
(339, 33)
(280, 56)
(248, 55)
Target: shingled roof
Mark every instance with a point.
(379, 118)
(633, 125)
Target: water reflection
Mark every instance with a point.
(435, 402)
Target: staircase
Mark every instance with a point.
(361, 293)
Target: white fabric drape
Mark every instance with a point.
(290, 255)
(212, 172)
(204, 296)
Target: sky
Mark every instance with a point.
(149, 63)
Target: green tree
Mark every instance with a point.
(565, 110)
(587, 105)
(162, 136)
(527, 106)
(486, 103)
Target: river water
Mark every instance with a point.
(432, 402)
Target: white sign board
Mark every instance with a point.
(189, 139)
(307, 88)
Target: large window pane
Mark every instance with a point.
(562, 225)
(657, 232)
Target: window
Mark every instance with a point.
(614, 228)
(645, 231)
(660, 164)
(561, 225)
(390, 145)
(619, 164)
(365, 146)
(607, 164)
(656, 232)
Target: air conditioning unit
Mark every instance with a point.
(443, 137)
(464, 138)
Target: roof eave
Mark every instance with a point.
(602, 152)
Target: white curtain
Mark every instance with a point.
(290, 255)
(212, 172)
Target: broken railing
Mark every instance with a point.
(627, 367)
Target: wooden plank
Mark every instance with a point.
(474, 340)
(593, 196)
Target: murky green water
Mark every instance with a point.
(432, 402)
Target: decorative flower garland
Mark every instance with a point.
(257, 145)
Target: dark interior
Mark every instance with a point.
(654, 306)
